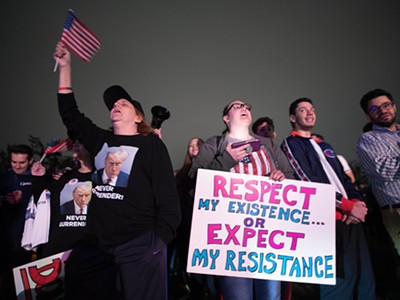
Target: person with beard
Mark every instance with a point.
(379, 153)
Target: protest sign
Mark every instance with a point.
(250, 226)
(41, 279)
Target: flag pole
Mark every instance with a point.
(42, 158)
(55, 66)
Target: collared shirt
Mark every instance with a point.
(109, 181)
(379, 153)
(78, 209)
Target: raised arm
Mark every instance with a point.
(78, 125)
(63, 59)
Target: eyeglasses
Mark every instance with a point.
(238, 106)
(374, 109)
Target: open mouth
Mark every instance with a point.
(115, 112)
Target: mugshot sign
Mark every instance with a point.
(249, 226)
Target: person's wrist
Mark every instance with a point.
(65, 88)
(65, 68)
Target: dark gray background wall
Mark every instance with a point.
(195, 56)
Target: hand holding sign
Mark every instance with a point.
(359, 210)
(258, 228)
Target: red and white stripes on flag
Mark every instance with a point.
(60, 147)
(256, 163)
(79, 39)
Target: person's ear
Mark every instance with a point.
(138, 119)
(292, 118)
(225, 118)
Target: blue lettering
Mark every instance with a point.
(328, 266)
(204, 204)
(214, 204)
(213, 256)
(229, 260)
(241, 261)
(307, 268)
(306, 217)
(295, 268)
(270, 258)
(284, 259)
(200, 256)
(318, 262)
(253, 258)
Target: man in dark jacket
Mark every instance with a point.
(316, 162)
(15, 191)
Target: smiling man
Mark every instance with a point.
(379, 153)
(15, 192)
(316, 162)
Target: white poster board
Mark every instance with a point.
(249, 226)
(41, 279)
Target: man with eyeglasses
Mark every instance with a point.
(315, 161)
(379, 153)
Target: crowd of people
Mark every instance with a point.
(135, 212)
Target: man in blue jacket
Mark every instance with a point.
(317, 162)
(15, 191)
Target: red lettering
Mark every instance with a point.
(212, 236)
(219, 186)
(37, 276)
(231, 234)
(275, 192)
(308, 192)
(234, 187)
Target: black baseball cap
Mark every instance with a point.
(116, 92)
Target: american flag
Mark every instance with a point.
(256, 163)
(59, 147)
(79, 39)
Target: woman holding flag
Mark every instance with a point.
(133, 223)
